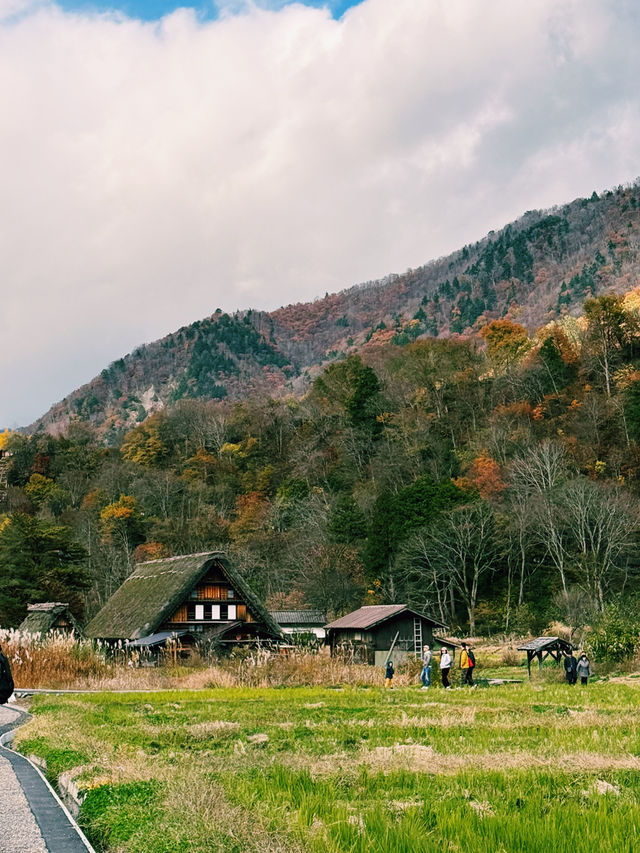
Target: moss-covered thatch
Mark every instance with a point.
(48, 616)
(156, 589)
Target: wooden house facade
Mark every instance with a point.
(189, 598)
(375, 632)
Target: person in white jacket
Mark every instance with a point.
(445, 667)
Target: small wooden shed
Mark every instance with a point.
(543, 647)
(375, 632)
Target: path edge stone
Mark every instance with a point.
(6, 740)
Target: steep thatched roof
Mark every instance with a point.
(152, 593)
(41, 618)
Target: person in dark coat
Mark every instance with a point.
(6, 679)
(571, 668)
(388, 675)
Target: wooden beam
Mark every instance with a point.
(391, 649)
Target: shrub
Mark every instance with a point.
(614, 635)
(511, 657)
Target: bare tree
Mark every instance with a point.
(535, 478)
(601, 529)
(456, 553)
(540, 469)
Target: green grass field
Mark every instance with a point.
(522, 767)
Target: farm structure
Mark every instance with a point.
(188, 599)
(49, 616)
(301, 622)
(376, 632)
(543, 647)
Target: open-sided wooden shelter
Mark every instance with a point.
(197, 596)
(543, 647)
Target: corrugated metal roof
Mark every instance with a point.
(300, 617)
(368, 616)
(156, 639)
(373, 614)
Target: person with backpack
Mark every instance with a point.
(6, 679)
(570, 668)
(467, 663)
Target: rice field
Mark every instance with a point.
(517, 767)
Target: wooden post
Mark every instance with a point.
(391, 649)
(529, 656)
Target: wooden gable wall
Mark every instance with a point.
(216, 590)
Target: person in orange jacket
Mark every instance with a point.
(467, 663)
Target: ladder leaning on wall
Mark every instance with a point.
(417, 636)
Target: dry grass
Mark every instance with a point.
(56, 661)
(510, 656)
(60, 661)
(418, 758)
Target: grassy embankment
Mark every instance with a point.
(521, 767)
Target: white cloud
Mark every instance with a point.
(154, 172)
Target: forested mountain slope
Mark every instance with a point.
(533, 271)
(493, 480)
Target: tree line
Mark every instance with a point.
(489, 480)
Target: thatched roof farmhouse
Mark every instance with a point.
(191, 597)
(49, 616)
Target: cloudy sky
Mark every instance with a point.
(157, 163)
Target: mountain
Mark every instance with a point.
(533, 271)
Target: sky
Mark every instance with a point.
(158, 163)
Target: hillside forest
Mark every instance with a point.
(537, 269)
(492, 480)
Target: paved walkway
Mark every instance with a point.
(32, 819)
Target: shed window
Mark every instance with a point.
(199, 611)
(231, 593)
(232, 611)
(215, 611)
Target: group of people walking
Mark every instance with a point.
(574, 668)
(467, 663)
(580, 668)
